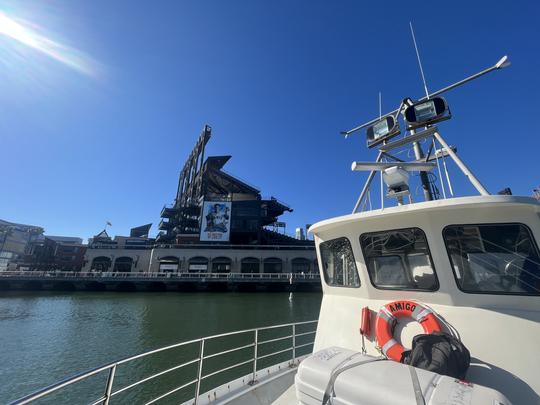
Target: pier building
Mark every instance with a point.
(15, 240)
(54, 253)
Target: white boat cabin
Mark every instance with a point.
(474, 261)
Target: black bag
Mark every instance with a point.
(438, 352)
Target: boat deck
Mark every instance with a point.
(287, 398)
(278, 391)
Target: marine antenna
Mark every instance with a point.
(421, 115)
(380, 105)
(419, 60)
(418, 152)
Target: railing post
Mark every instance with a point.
(108, 387)
(199, 374)
(293, 343)
(255, 354)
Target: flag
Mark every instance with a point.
(109, 224)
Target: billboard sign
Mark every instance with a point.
(216, 221)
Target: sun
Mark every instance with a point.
(23, 34)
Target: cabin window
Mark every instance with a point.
(339, 267)
(494, 258)
(399, 260)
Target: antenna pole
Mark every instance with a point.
(418, 152)
(475, 182)
(380, 105)
(419, 155)
(382, 191)
(419, 60)
(439, 168)
(447, 175)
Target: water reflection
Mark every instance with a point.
(47, 336)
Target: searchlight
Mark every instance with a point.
(382, 130)
(427, 112)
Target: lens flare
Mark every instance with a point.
(24, 34)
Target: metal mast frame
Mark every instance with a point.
(430, 131)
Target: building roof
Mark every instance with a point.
(22, 227)
(221, 182)
(65, 239)
(102, 235)
(140, 231)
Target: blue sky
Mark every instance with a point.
(277, 81)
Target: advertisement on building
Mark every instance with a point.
(216, 221)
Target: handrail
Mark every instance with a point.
(153, 401)
(228, 351)
(227, 368)
(46, 275)
(274, 353)
(199, 359)
(158, 245)
(151, 377)
(276, 339)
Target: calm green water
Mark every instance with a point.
(45, 337)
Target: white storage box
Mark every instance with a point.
(373, 382)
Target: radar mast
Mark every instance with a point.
(420, 118)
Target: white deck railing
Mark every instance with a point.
(299, 335)
(160, 275)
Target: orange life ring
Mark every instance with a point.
(387, 319)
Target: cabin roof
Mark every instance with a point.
(449, 203)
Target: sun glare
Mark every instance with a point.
(25, 35)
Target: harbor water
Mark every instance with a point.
(48, 336)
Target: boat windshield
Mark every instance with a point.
(494, 258)
(399, 259)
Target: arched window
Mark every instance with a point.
(273, 265)
(250, 265)
(168, 264)
(101, 263)
(221, 265)
(198, 264)
(300, 265)
(123, 264)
